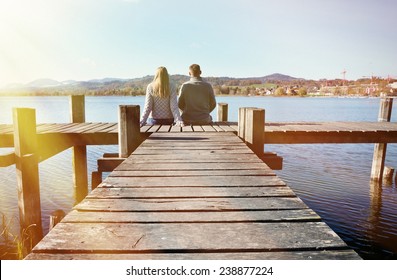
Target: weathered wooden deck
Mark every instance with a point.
(67, 135)
(275, 133)
(193, 195)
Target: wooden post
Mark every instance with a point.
(255, 129)
(242, 121)
(27, 167)
(96, 179)
(388, 173)
(222, 112)
(251, 128)
(129, 129)
(77, 108)
(55, 218)
(378, 161)
(79, 153)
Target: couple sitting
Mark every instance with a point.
(196, 100)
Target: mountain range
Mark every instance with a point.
(95, 83)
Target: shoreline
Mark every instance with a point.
(217, 95)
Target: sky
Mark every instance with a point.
(94, 39)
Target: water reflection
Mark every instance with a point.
(380, 233)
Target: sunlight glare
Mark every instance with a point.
(24, 30)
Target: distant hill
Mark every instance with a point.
(43, 83)
(132, 86)
(106, 80)
(279, 77)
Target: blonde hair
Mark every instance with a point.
(161, 83)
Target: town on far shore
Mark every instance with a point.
(364, 87)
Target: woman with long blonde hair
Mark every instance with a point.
(161, 105)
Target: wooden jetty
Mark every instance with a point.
(275, 133)
(197, 195)
(225, 185)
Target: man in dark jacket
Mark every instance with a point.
(196, 99)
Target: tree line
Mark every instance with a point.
(222, 86)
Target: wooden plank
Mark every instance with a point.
(281, 255)
(202, 181)
(188, 237)
(330, 126)
(195, 139)
(121, 172)
(176, 128)
(100, 128)
(208, 128)
(164, 128)
(86, 127)
(193, 166)
(197, 158)
(181, 137)
(113, 128)
(354, 126)
(343, 126)
(382, 126)
(61, 127)
(202, 136)
(192, 152)
(154, 128)
(74, 128)
(234, 127)
(217, 127)
(145, 128)
(187, 128)
(191, 149)
(45, 127)
(302, 215)
(336, 126)
(191, 204)
(192, 133)
(190, 192)
(226, 127)
(209, 144)
(197, 128)
(192, 145)
(292, 126)
(150, 142)
(329, 137)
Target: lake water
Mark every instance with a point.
(331, 179)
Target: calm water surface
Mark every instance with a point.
(331, 179)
